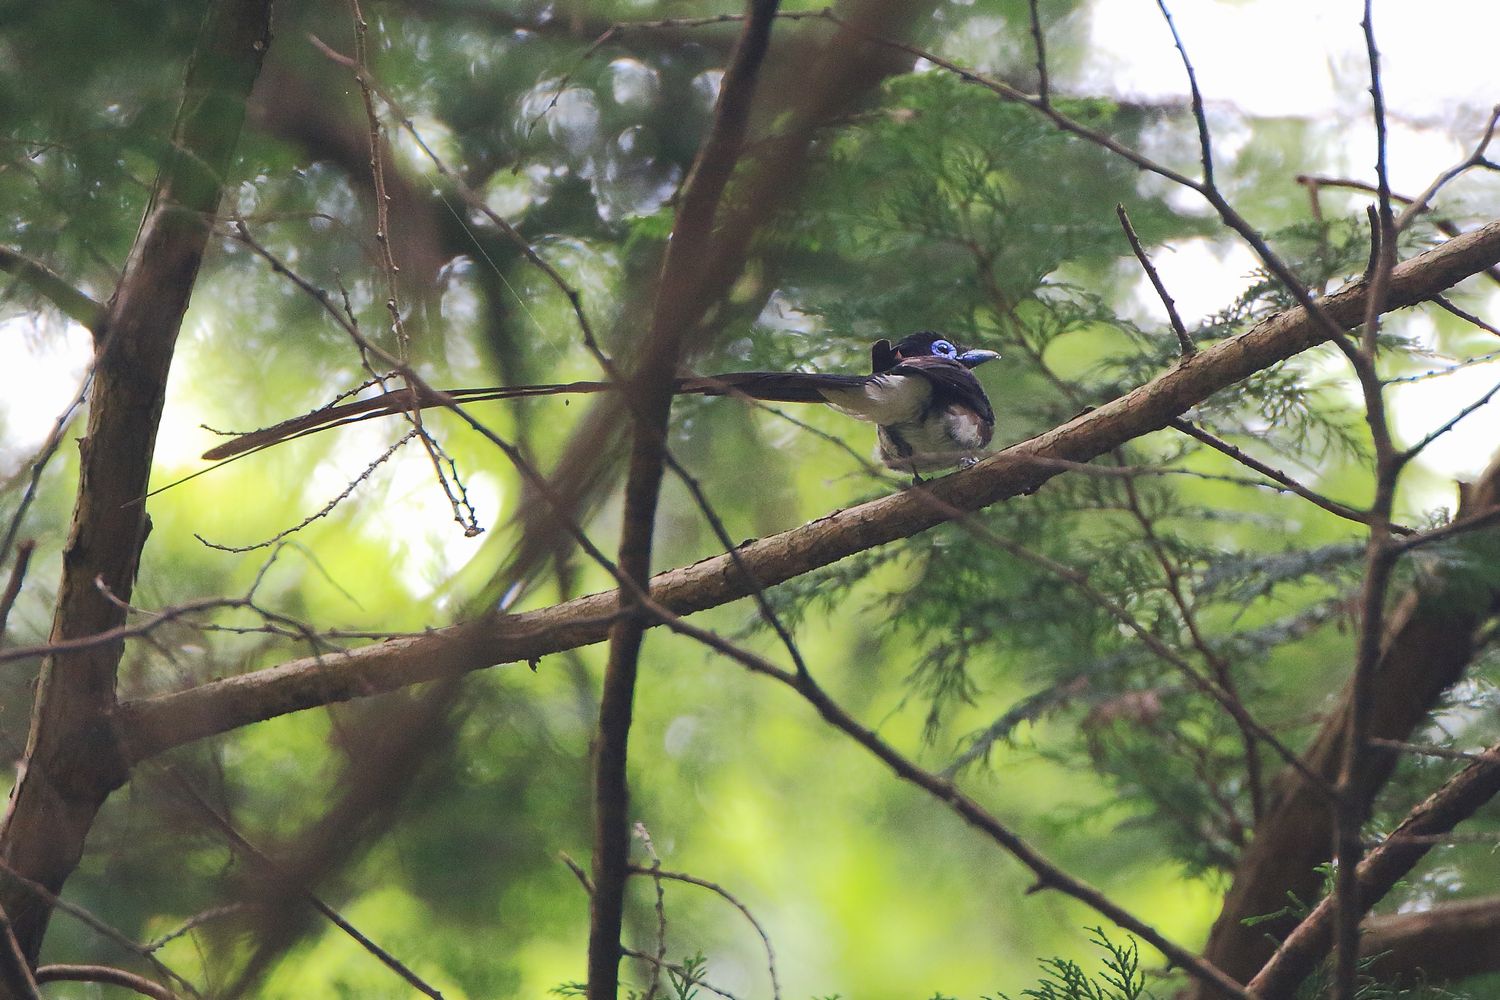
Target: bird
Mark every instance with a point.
(928, 407)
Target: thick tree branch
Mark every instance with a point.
(149, 726)
(1448, 942)
(1444, 809)
(72, 761)
(1428, 643)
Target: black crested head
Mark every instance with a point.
(926, 343)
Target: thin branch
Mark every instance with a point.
(1446, 303)
(40, 460)
(453, 489)
(1457, 527)
(680, 301)
(122, 632)
(1205, 146)
(657, 872)
(1351, 810)
(1276, 475)
(1410, 453)
(220, 822)
(107, 974)
(474, 200)
(644, 836)
(194, 922)
(86, 918)
(655, 960)
(1426, 750)
(15, 971)
(682, 971)
(1217, 664)
(1049, 876)
(1315, 183)
(1184, 342)
(13, 584)
(1039, 45)
(1474, 159)
(328, 508)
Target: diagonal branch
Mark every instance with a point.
(74, 304)
(149, 726)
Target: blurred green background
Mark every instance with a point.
(929, 204)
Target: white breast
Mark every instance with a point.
(952, 437)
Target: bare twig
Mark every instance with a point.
(235, 838)
(1352, 809)
(1205, 146)
(1410, 453)
(94, 923)
(39, 461)
(1184, 342)
(1049, 876)
(657, 872)
(107, 974)
(194, 922)
(1446, 303)
(655, 960)
(1039, 45)
(1276, 475)
(644, 836)
(15, 971)
(327, 508)
(1218, 666)
(122, 632)
(1453, 528)
(1474, 159)
(448, 481)
(682, 972)
(13, 583)
(1425, 750)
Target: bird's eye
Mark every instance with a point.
(944, 349)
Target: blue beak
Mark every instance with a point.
(975, 358)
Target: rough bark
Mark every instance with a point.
(152, 725)
(73, 760)
(1445, 943)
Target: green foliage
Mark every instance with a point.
(930, 204)
(1120, 979)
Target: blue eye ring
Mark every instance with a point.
(944, 349)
